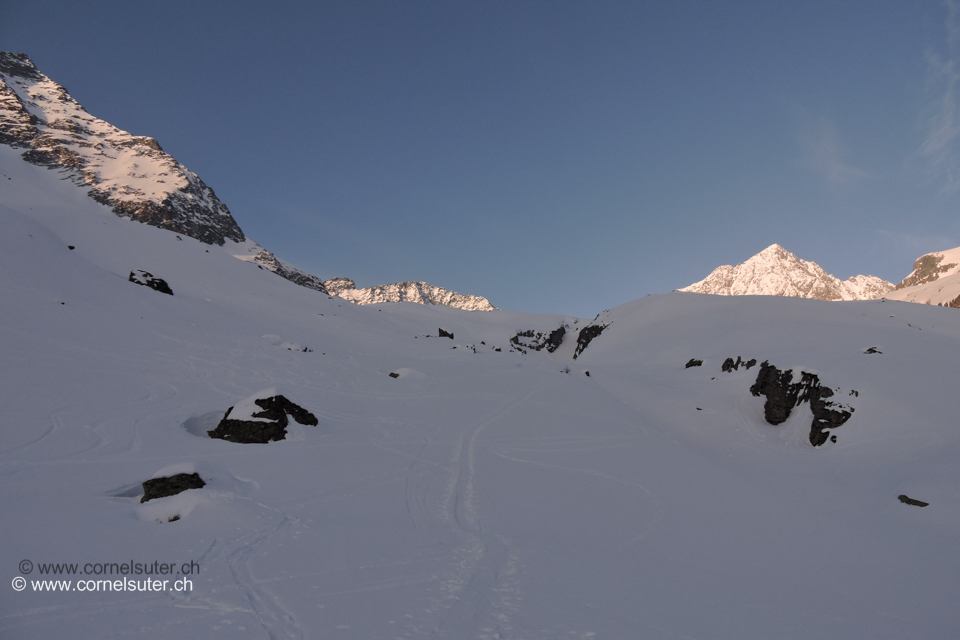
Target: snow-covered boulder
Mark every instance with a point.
(147, 279)
(261, 418)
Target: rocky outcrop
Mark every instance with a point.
(148, 280)
(693, 362)
(130, 174)
(419, 292)
(171, 485)
(537, 340)
(782, 395)
(777, 272)
(730, 365)
(286, 270)
(442, 333)
(927, 268)
(248, 425)
(586, 335)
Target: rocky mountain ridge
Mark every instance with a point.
(136, 179)
(777, 272)
(130, 174)
(410, 291)
(935, 279)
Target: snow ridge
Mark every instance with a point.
(130, 174)
(420, 292)
(777, 272)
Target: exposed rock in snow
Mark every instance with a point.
(131, 174)
(171, 485)
(586, 335)
(783, 395)
(286, 270)
(693, 362)
(935, 279)
(420, 292)
(537, 340)
(907, 500)
(777, 272)
(730, 365)
(146, 279)
(261, 418)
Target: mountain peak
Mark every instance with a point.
(777, 272)
(130, 174)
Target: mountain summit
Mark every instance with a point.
(130, 174)
(777, 272)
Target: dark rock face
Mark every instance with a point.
(79, 144)
(586, 335)
(537, 340)
(444, 334)
(393, 374)
(275, 410)
(917, 503)
(289, 272)
(147, 280)
(171, 485)
(730, 365)
(693, 362)
(783, 395)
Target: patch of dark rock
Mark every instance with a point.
(173, 518)
(444, 334)
(71, 247)
(917, 503)
(586, 336)
(394, 375)
(171, 485)
(693, 362)
(783, 395)
(496, 348)
(275, 410)
(537, 340)
(733, 365)
(146, 279)
(873, 350)
(588, 373)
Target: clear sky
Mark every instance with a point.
(552, 156)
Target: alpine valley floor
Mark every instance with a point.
(479, 494)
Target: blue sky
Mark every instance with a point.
(551, 156)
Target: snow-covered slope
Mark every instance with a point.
(935, 279)
(420, 292)
(477, 492)
(777, 272)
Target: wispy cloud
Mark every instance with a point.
(824, 153)
(941, 118)
(914, 244)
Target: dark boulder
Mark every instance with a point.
(275, 411)
(146, 279)
(917, 503)
(693, 362)
(445, 334)
(171, 485)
